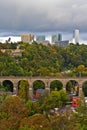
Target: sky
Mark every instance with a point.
(43, 16)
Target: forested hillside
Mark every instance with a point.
(40, 60)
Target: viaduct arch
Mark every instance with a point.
(46, 80)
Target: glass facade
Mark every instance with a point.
(40, 38)
(56, 38)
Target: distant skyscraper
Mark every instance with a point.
(59, 37)
(40, 38)
(56, 38)
(76, 36)
(26, 38)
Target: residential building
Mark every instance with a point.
(45, 43)
(16, 52)
(75, 102)
(39, 92)
(27, 38)
(13, 52)
(62, 43)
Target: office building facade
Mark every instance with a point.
(76, 36)
(56, 38)
(40, 38)
(62, 43)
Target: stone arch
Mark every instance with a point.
(72, 87)
(8, 85)
(56, 84)
(38, 84)
(84, 88)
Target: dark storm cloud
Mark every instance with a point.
(43, 15)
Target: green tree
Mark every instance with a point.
(69, 87)
(31, 106)
(80, 68)
(43, 71)
(23, 91)
(55, 99)
(82, 114)
(56, 85)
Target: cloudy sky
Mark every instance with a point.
(44, 16)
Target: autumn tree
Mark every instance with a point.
(37, 122)
(15, 110)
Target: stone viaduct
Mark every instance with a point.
(46, 80)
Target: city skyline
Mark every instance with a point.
(16, 36)
(43, 15)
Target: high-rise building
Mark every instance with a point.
(76, 36)
(40, 38)
(56, 38)
(26, 38)
(59, 37)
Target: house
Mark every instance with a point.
(39, 92)
(75, 102)
(16, 52)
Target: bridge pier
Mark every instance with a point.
(46, 80)
(30, 89)
(31, 92)
(15, 88)
(80, 88)
(80, 91)
(47, 86)
(64, 86)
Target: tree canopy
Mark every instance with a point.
(40, 60)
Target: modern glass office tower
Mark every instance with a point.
(56, 38)
(76, 36)
(59, 37)
(40, 38)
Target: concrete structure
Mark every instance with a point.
(45, 43)
(62, 43)
(13, 52)
(26, 38)
(76, 36)
(56, 38)
(16, 52)
(46, 80)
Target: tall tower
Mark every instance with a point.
(56, 38)
(76, 36)
(59, 37)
